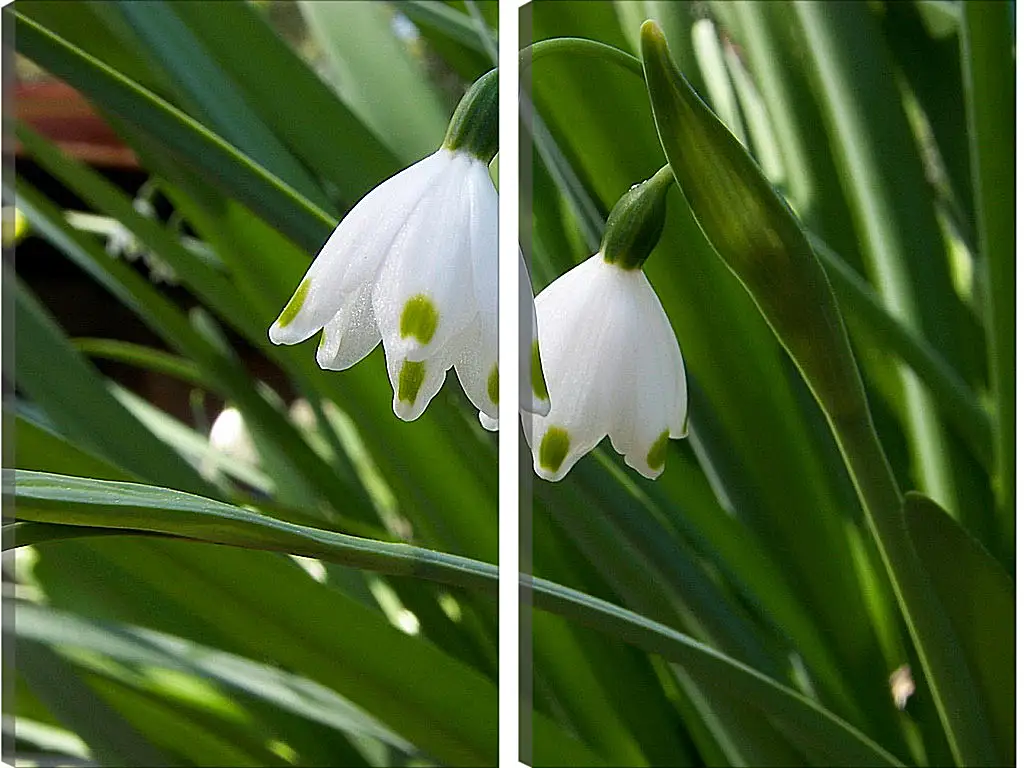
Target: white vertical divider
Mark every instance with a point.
(508, 384)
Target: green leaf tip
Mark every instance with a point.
(419, 319)
(752, 229)
(294, 305)
(410, 379)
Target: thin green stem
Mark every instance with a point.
(578, 46)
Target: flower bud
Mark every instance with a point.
(635, 223)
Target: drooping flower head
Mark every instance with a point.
(611, 360)
(415, 264)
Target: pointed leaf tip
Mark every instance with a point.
(752, 229)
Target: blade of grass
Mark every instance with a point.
(73, 394)
(987, 59)
(139, 355)
(887, 192)
(444, 18)
(194, 143)
(214, 98)
(290, 98)
(376, 76)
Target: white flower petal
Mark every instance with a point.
(477, 369)
(652, 410)
(350, 335)
(415, 382)
(581, 316)
(355, 250)
(424, 294)
(477, 364)
(613, 367)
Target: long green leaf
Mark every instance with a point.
(988, 46)
(219, 103)
(76, 501)
(45, 497)
(770, 256)
(806, 723)
(290, 98)
(195, 144)
(133, 645)
(978, 595)
(887, 192)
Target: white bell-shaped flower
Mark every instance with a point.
(414, 264)
(613, 367)
(611, 360)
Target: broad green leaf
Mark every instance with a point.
(291, 99)
(978, 595)
(376, 75)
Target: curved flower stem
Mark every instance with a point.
(579, 46)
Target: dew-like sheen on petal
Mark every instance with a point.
(430, 258)
(353, 253)
(414, 264)
(612, 366)
(350, 335)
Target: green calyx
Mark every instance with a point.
(474, 126)
(636, 222)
